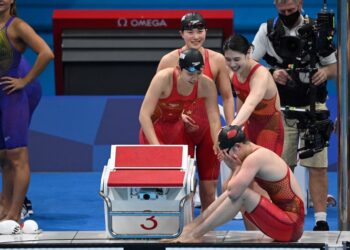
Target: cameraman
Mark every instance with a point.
(294, 90)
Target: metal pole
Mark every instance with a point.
(343, 114)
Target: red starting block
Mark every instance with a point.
(148, 191)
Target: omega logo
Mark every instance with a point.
(123, 22)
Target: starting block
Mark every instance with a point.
(148, 191)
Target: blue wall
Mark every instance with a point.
(74, 133)
(248, 16)
(71, 133)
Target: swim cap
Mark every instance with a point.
(230, 135)
(191, 60)
(191, 21)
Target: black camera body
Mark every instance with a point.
(315, 38)
(316, 138)
(318, 129)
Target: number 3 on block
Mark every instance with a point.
(151, 227)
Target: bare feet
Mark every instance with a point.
(166, 240)
(183, 238)
(188, 228)
(187, 238)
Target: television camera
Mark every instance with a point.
(315, 38)
(317, 126)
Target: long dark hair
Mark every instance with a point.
(13, 9)
(238, 43)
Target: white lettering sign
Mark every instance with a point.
(123, 22)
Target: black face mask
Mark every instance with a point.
(290, 20)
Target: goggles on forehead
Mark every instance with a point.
(193, 25)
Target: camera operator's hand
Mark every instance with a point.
(281, 76)
(319, 77)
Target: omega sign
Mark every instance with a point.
(123, 22)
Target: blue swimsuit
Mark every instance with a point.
(16, 108)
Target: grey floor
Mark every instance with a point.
(332, 239)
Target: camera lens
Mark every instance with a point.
(146, 197)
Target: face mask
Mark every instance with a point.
(290, 20)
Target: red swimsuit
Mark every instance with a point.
(283, 218)
(264, 126)
(207, 162)
(167, 120)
